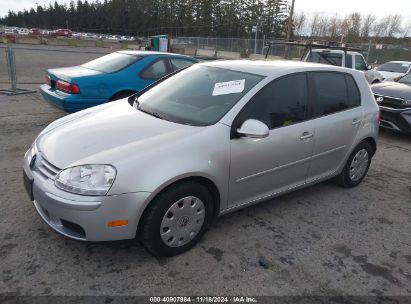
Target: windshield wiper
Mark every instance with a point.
(155, 114)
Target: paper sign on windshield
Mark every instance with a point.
(228, 87)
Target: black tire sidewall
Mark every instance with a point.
(346, 172)
(152, 221)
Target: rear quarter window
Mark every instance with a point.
(353, 91)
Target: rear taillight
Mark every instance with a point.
(67, 87)
(48, 80)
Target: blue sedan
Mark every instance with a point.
(111, 77)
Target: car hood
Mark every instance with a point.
(107, 133)
(69, 73)
(393, 89)
(390, 75)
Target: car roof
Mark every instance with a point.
(396, 61)
(274, 67)
(336, 51)
(151, 53)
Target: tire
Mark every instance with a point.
(121, 95)
(347, 177)
(181, 226)
(376, 81)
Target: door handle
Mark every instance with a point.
(306, 135)
(355, 121)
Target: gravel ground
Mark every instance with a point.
(323, 240)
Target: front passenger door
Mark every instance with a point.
(263, 167)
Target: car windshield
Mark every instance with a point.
(111, 63)
(199, 96)
(395, 67)
(325, 57)
(406, 79)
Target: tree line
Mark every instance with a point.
(209, 18)
(355, 27)
(220, 18)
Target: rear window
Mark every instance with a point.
(394, 67)
(325, 57)
(112, 62)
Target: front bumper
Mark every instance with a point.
(67, 102)
(396, 119)
(84, 217)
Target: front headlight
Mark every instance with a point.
(86, 179)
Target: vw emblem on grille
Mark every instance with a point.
(33, 161)
(379, 99)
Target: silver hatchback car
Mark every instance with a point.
(211, 139)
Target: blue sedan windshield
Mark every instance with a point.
(111, 63)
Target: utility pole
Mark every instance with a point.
(290, 21)
(255, 28)
(289, 28)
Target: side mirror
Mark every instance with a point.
(369, 67)
(254, 129)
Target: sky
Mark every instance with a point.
(342, 7)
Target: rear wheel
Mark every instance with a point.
(121, 95)
(176, 219)
(356, 166)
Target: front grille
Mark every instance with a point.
(45, 168)
(391, 102)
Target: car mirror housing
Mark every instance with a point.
(254, 129)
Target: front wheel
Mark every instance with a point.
(176, 219)
(356, 166)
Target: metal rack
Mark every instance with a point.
(309, 45)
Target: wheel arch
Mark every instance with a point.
(208, 183)
(121, 92)
(372, 143)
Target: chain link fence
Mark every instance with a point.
(32, 61)
(376, 53)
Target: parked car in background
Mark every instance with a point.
(23, 32)
(11, 31)
(394, 99)
(34, 32)
(213, 138)
(394, 69)
(345, 58)
(61, 33)
(113, 76)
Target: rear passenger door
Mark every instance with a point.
(335, 109)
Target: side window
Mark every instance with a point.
(178, 64)
(280, 103)
(353, 92)
(330, 93)
(360, 63)
(155, 70)
(348, 61)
